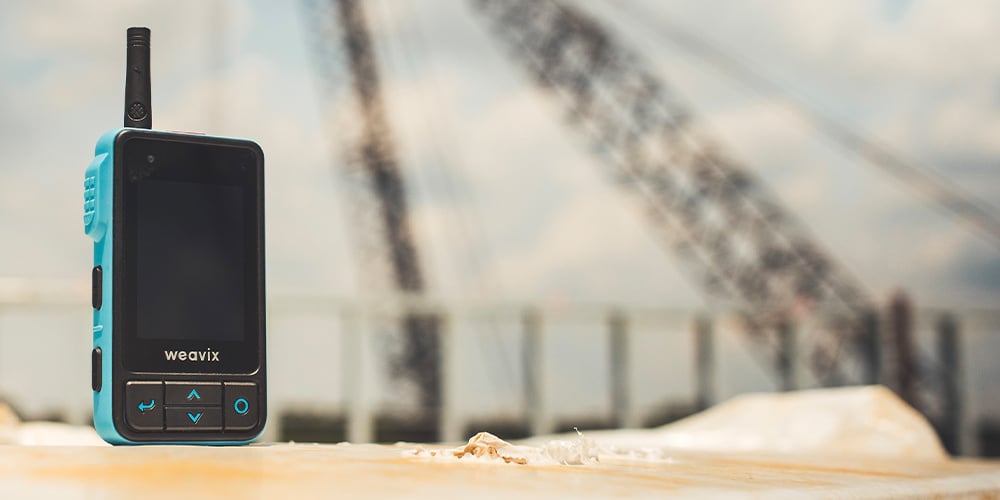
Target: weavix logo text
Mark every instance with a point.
(206, 355)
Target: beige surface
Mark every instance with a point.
(852, 442)
(294, 471)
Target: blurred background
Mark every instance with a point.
(522, 217)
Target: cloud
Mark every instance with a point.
(465, 115)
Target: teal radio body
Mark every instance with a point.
(178, 296)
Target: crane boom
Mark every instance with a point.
(740, 244)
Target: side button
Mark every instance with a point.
(95, 370)
(96, 288)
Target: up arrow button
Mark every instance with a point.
(192, 394)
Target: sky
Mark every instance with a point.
(473, 133)
(508, 202)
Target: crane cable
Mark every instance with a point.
(411, 40)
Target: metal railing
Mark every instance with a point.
(545, 365)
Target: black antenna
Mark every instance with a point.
(138, 96)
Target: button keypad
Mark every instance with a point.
(191, 406)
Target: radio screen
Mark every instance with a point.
(190, 261)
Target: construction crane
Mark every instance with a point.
(742, 247)
(732, 235)
(379, 201)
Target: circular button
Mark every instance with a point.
(241, 405)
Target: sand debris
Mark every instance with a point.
(486, 444)
(488, 447)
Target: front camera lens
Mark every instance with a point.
(150, 159)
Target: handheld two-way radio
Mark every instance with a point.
(178, 281)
